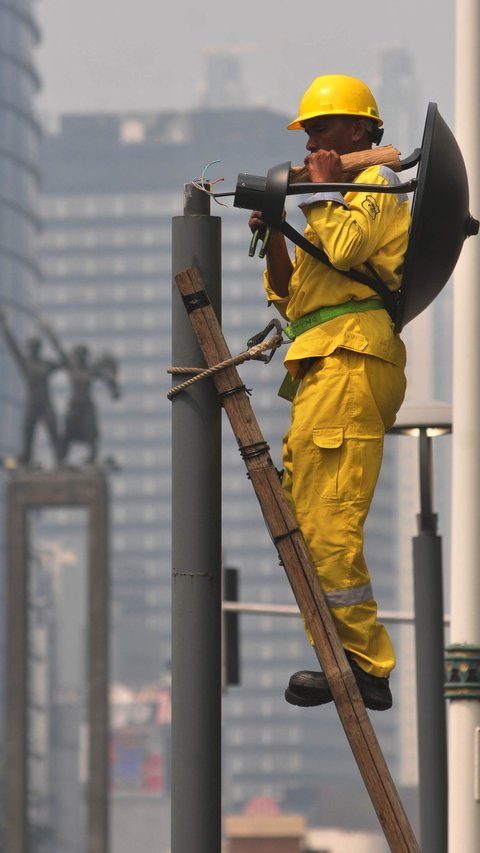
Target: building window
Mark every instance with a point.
(91, 322)
(119, 206)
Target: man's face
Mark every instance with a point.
(337, 133)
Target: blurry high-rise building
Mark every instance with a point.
(397, 93)
(19, 220)
(223, 84)
(19, 214)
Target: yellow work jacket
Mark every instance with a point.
(353, 229)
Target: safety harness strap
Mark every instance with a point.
(329, 312)
(389, 297)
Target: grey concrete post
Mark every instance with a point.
(429, 645)
(16, 742)
(98, 791)
(196, 553)
(26, 490)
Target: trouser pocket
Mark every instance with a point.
(347, 461)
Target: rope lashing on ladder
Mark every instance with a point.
(197, 373)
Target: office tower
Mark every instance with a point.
(19, 272)
(223, 85)
(397, 94)
(19, 141)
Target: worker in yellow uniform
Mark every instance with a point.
(351, 364)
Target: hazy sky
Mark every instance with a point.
(150, 55)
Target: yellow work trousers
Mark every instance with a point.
(332, 456)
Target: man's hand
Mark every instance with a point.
(256, 223)
(324, 167)
(260, 232)
(279, 265)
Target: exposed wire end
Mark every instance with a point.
(203, 184)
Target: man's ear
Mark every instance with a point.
(359, 129)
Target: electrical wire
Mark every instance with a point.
(201, 184)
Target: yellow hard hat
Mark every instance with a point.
(336, 94)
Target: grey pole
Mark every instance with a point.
(196, 553)
(464, 681)
(429, 643)
(27, 489)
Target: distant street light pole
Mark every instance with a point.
(425, 422)
(463, 660)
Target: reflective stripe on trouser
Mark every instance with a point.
(332, 456)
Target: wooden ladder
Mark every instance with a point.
(289, 542)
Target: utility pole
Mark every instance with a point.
(463, 654)
(196, 554)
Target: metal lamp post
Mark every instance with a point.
(425, 422)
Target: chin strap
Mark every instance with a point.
(389, 297)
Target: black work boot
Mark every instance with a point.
(308, 689)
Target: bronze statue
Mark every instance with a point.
(81, 423)
(36, 372)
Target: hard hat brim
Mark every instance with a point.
(297, 124)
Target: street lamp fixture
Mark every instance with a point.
(426, 421)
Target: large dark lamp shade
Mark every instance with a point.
(440, 219)
(440, 214)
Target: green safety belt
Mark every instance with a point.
(289, 386)
(329, 312)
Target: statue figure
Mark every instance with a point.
(36, 372)
(81, 423)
